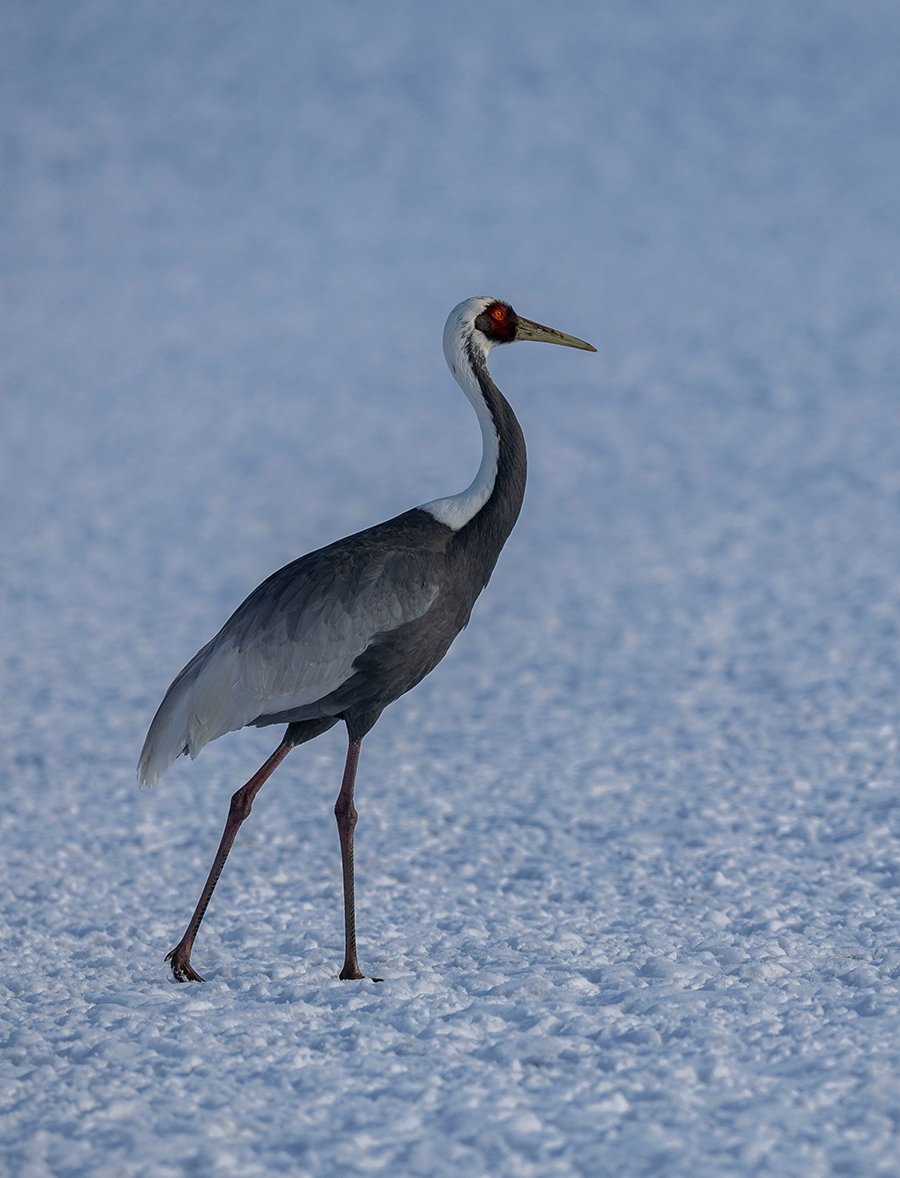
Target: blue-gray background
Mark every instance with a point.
(627, 861)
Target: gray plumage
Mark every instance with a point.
(344, 631)
(288, 653)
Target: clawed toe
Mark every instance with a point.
(182, 970)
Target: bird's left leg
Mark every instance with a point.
(241, 805)
(345, 813)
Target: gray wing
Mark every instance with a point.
(295, 639)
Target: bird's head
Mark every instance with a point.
(483, 322)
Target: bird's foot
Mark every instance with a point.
(180, 961)
(352, 973)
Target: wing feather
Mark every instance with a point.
(294, 640)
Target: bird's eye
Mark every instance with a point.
(498, 322)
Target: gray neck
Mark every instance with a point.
(490, 527)
(484, 514)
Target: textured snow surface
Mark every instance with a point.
(627, 861)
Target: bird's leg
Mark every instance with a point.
(241, 805)
(345, 813)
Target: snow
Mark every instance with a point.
(627, 860)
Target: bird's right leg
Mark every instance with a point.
(241, 805)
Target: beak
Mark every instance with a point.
(526, 330)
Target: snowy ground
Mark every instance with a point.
(628, 859)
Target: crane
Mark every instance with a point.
(342, 632)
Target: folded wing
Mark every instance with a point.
(294, 641)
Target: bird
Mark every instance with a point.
(342, 632)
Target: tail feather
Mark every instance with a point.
(170, 734)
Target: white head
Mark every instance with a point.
(483, 322)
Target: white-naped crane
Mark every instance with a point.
(344, 631)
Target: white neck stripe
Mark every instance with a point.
(457, 510)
